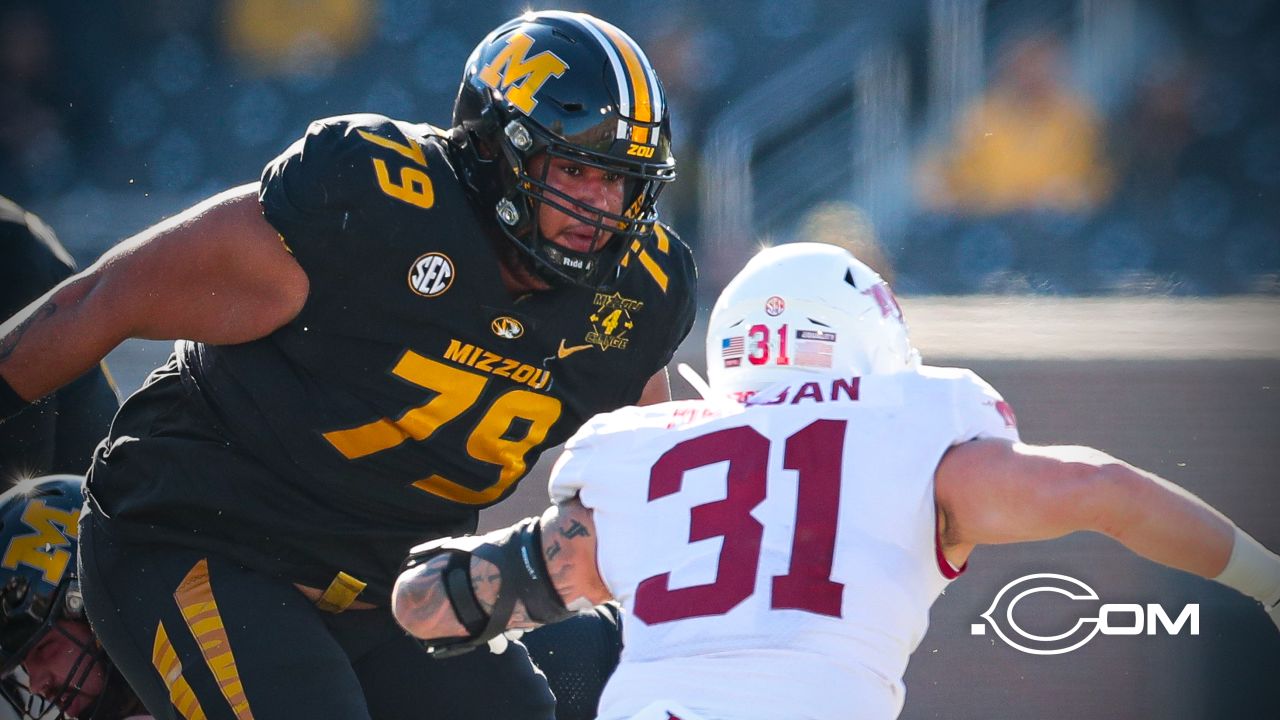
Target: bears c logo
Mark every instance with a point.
(431, 274)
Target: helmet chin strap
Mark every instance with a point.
(542, 257)
(570, 260)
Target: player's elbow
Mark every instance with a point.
(1126, 497)
(400, 608)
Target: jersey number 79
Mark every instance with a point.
(454, 392)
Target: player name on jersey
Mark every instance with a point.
(840, 388)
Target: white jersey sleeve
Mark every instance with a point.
(979, 410)
(571, 469)
(608, 437)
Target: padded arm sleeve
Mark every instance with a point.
(517, 553)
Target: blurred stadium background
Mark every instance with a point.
(1041, 146)
(1077, 198)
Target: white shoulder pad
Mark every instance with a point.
(607, 436)
(977, 409)
(574, 465)
(981, 412)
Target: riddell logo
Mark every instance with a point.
(1111, 619)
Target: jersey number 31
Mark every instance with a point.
(815, 453)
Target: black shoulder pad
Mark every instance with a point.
(323, 174)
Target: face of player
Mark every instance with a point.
(588, 185)
(57, 664)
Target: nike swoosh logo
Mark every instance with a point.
(565, 352)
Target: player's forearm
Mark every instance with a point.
(422, 603)
(1163, 522)
(1077, 488)
(56, 339)
(507, 585)
(1174, 527)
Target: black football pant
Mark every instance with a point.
(199, 636)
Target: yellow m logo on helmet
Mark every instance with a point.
(46, 549)
(521, 76)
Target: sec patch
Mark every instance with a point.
(431, 274)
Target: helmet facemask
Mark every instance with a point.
(519, 211)
(24, 632)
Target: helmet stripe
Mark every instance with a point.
(650, 77)
(639, 83)
(619, 69)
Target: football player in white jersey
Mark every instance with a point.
(778, 545)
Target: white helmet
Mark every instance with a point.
(803, 308)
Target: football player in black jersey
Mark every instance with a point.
(59, 433)
(379, 339)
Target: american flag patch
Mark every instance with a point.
(814, 353)
(731, 347)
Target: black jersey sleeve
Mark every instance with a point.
(323, 177)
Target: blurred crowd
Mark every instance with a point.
(1061, 173)
(1169, 187)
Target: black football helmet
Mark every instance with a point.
(39, 586)
(572, 86)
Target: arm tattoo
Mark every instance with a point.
(10, 341)
(486, 582)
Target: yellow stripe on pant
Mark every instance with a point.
(167, 664)
(195, 599)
